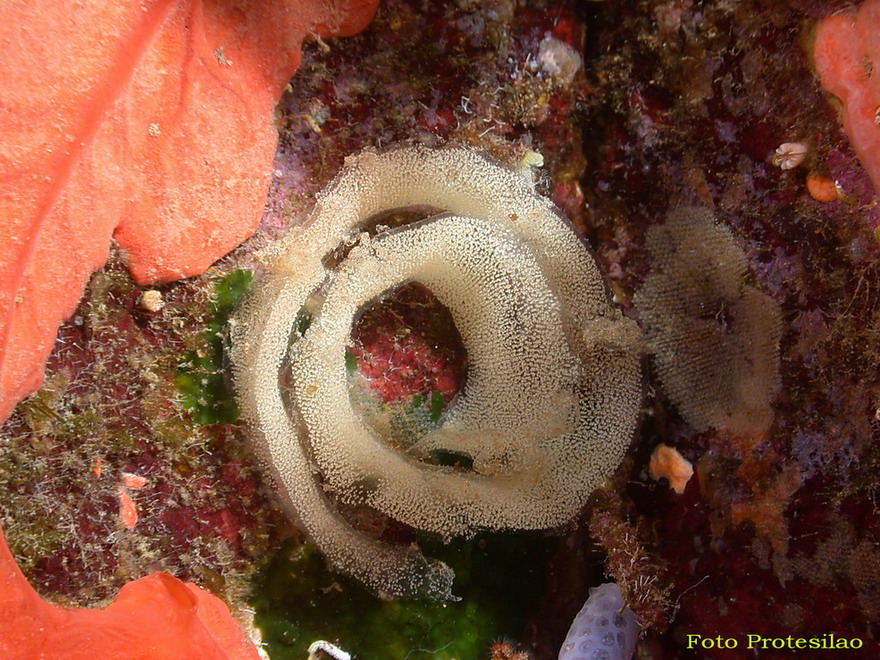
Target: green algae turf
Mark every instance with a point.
(499, 578)
(201, 377)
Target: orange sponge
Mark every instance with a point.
(155, 618)
(148, 121)
(847, 56)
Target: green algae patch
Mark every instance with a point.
(200, 376)
(499, 579)
(437, 406)
(350, 363)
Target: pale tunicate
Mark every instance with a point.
(604, 628)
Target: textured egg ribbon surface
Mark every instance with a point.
(553, 386)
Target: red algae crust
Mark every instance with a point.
(147, 122)
(157, 617)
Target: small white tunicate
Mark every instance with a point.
(322, 648)
(789, 155)
(559, 59)
(151, 300)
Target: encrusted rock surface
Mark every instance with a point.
(679, 103)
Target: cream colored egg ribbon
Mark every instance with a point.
(553, 385)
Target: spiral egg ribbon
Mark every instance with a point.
(714, 336)
(553, 385)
